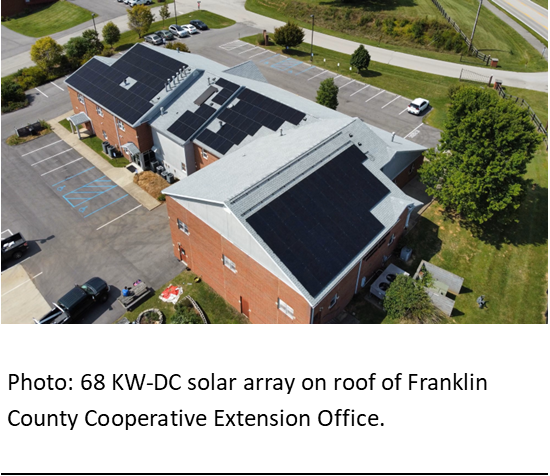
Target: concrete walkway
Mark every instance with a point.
(121, 176)
(21, 300)
(235, 9)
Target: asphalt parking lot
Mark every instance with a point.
(80, 224)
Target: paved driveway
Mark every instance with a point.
(79, 224)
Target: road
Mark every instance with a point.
(533, 15)
(235, 9)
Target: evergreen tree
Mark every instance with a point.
(289, 35)
(327, 94)
(360, 59)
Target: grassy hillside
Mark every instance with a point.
(396, 25)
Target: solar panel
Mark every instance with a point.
(320, 224)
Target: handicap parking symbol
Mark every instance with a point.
(82, 209)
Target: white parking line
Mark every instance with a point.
(41, 92)
(230, 43)
(322, 72)
(383, 91)
(246, 51)
(8, 230)
(237, 47)
(43, 160)
(51, 82)
(415, 129)
(258, 54)
(394, 99)
(24, 282)
(352, 81)
(368, 85)
(404, 110)
(61, 167)
(36, 150)
(118, 217)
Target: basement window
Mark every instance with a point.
(81, 99)
(284, 307)
(120, 124)
(228, 263)
(99, 111)
(183, 227)
(333, 301)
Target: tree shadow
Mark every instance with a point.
(369, 73)
(424, 240)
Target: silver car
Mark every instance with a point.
(178, 30)
(153, 39)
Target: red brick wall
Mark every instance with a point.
(258, 287)
(13, 7)
(141, 136)
(200, 161)
(405, 177)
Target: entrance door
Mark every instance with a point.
(244, 307)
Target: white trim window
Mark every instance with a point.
(229, 264)
(80, 98)
(284, 307)
(333, 301)
(183, 167)
(204, 154)
(392, 239)
(120, 124)
(99, 111)
(183, 227)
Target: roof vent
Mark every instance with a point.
(392, 136)
(281, 132)
(359, 144)
(161, 111)
(221, 123)
(351, 135)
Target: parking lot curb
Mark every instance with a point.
(121, 176)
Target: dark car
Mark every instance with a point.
(76, 302)
(167, 35)
(14, 246)
(199, 25)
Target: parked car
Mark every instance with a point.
(14, 246)
(200, 25)
(178, 31)
(190, 29)
(153, 39)
(133, 3)
(167, 35)
(76, 302)
(418, 105)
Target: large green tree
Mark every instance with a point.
(478, 171)
(407, 301)
(76, 49)
(327, 94)
(289, 35)
(46, 53)
(360, 59)
(111, 33)
(94, 44)
(140, 19)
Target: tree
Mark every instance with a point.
(477, 173)
(164, 13)
(140, 19)
(46, 53)
(407, 301)
(327, 94)
(94, 45)
(76, 49)
(360, 59)
(11, 92)
(111, 33)
(289, 35)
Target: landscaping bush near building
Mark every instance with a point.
(13, 96)
(185, 313)
(151, 182)
(178, 46)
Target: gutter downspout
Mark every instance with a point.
(117, 136)
(311, 318)
(411, 208)
(358, 274)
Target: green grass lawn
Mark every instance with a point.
(492, 35)
(214, 306)
(96, 144)
(50, 19)
(130, 38)
(542, 3)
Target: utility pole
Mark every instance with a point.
(93, 19)
(475, 24)
(175, 12)
(312, 28)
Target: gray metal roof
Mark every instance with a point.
(247, 70)
(80, 118)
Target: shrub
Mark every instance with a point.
(260, 40)
(181, 46)
(45, 125)
(360, 59)
(327, 94)
(185, 313)
(418, 29)
(378, 23)
(289, 35)
(366, 19)
(14, 140)
(32, 77)
(12, 92)
(161, 197)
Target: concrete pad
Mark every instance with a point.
(21, 300)
(121, 176)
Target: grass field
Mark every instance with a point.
(542, 3)
(51, 19)
(130, 38)
(493, 36)
(215, 308)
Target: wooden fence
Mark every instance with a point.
(471, 48)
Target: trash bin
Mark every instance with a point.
(494, 62)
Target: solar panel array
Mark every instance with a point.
(246, 117)
(101, 83)
(189, 122)
(320, 224)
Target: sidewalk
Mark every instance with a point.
(121, 176)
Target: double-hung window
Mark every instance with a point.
(120, 124)
(183, 227)
(229, 264)
(284, 307)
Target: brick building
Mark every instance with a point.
(284, 207)
(14, 7)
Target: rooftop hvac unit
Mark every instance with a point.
(105, 144)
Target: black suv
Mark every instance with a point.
(76, 302)
(199, 25)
